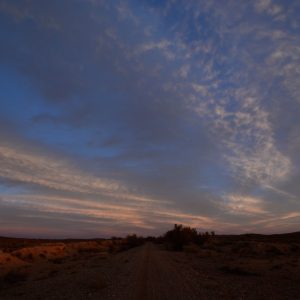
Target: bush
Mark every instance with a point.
(237, 271)
(18, 255)
(180, 236)
(29, 256)
(57, 261)
(132, 241)
(15, 276)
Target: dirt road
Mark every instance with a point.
(151, 274)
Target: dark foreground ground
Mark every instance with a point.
(247, 267)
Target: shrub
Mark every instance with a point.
(133, 241)
(57, 261)
(15, 276)
(237, 271)
(18, 255)
(181, 235)
(29, 256)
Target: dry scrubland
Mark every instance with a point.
(212, 267)
(24, 263)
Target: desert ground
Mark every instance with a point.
(224, 267)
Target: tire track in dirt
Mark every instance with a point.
(159, 278)
(142, 275)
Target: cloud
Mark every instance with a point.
(248, 137)
(269, 7)
(163, 46)
(34, 169)
(50, 173)
(138, 217)
(283, 223)
(241, 204)
(70, 192)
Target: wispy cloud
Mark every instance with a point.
(37, 169)
(126, 215)
(243, 204)
(269, 7)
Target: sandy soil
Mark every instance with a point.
(151, 272)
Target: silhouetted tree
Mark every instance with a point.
(180, 236)
(183, 235)
(133, 241)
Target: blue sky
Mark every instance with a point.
(130, 116)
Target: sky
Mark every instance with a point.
(129, 116)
